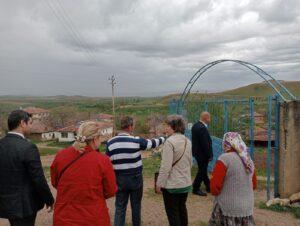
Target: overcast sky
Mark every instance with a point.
(71, 47)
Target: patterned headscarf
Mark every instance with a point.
(234, 140)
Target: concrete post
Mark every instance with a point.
(289, 151)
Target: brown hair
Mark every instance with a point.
(126, 121)
(177, 123)
(86, 132)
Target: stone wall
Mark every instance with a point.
(289, 153)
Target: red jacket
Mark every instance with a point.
(83, 188)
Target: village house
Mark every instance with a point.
(39, 114)
(40, 128)
(258, 117)
(68, 134)
(260, 136)
(41, 131)
(103, 117)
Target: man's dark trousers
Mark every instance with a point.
(202, 175)
(27, 221)
(129, 187)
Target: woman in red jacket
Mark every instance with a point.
(84, 179)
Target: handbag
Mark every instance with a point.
(156, 174)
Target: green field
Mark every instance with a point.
(64, 108)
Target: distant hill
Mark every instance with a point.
(263, 89)
(254, 90)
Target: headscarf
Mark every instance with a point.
(233, 140)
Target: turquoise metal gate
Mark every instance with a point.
(240, 115)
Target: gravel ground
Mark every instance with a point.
(199, 209)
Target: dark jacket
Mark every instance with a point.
(23, 186)
(201, 142)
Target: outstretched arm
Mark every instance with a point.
(146, 144)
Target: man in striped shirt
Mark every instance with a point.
(124, 151)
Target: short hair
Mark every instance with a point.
(177, 123)
(126, 122)
(15, 118)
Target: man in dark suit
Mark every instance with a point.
(23, 186)
(202, 151)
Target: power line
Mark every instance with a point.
(62, 20)
(73, 27)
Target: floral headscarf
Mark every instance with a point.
(234, 140)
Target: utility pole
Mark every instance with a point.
(113, 82)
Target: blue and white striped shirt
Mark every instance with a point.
(124, 152)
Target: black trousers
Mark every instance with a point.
(27, 221)
(202, 175)
(175, 205)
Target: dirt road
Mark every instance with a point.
(199, 209)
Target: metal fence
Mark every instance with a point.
(253, 118)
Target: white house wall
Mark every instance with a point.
(70, 138)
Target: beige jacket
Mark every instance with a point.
(178, 176)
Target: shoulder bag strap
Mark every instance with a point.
(181, 155)
(71, 163)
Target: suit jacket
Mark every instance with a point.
(201, 142)
(23, 186)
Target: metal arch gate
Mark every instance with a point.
(239, 115)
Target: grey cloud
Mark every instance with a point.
(152, 46)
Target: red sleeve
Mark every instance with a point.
(254, 180)
(54, 174)
(218, 176)
(109, 179)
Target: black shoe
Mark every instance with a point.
(200, 193)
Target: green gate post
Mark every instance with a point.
(251, 132)
(277, 140)
(206, 106)
(270, 100)
(225, 126)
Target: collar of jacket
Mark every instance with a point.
(15, 134)
(204, 123)
(88, 149)
(124, 134)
